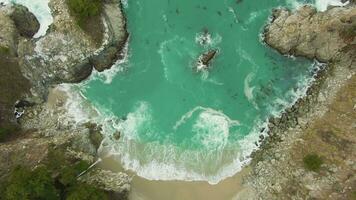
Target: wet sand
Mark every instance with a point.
(142, 189)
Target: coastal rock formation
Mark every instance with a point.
(205, 59)
(29, 68)
(13, 84)
(117, 36)
(8, 33)
(116, 183)
(322, 122)
(312, 34)
(26, 22)
(67, 54)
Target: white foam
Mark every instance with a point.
(140, 117)
(157, 161)
(166, 162)
(125, 3)
(212, 130)
(248, 90)
(322, 5)
(232, 11)
(108, 75)
(40, 9)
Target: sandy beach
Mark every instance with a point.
(142, 189)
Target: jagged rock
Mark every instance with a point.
(205, 59)
(105, 59)
(25, 21)
(312, 34)
(329, 37)
(118, 183)
(118, 36)
(117, 135)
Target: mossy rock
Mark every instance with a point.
(312, 162)
(87, 14)
(25, 21)
(4, 50)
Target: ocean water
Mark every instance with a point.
(177, 123)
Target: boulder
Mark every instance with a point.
(205, 59)
(26, 22)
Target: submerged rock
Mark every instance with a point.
(26, 22)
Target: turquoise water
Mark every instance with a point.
(180, 123)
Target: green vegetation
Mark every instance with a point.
(88, 16)
(80, 192)
(4, 133)
(312, 162)
(4, 50)
(95, 135)
(55, 179)
(26, 184)
(84, 9)
(7, 131)
(348, 33)
(353, 195)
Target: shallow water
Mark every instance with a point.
(177, 123)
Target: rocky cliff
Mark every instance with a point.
(30, 68)
(321, 124)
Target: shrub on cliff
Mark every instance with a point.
(7, 131)
(4, 133)
(312, 162)
(85, 192)
(84, 9)
(54, 179)
(26, 184)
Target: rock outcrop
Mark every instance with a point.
(117, 36)
(325, 112)
(26, 22)
(312, 34)
(29, 68)
(67, 54)
(8, 33)
(13, 85)
(205, 59)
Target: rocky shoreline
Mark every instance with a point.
(66, 54)
(324, 36)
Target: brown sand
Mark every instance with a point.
(143, 189)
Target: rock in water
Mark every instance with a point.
(205, 59)
(25, 21)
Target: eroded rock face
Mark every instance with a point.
(312, 34)
(63, 55)
(26, 22)
(118, 183)
(117, 36)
